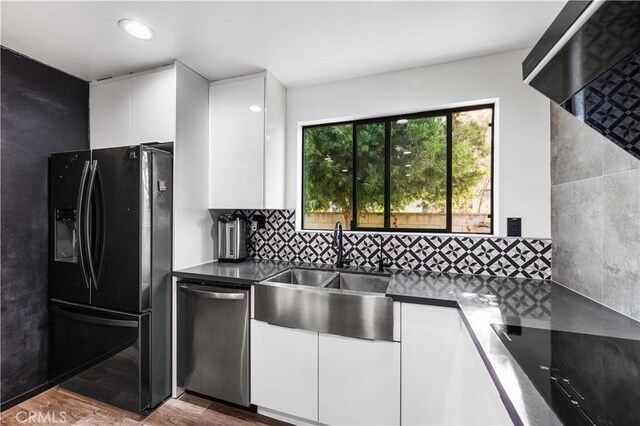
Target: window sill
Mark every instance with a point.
(427, 234)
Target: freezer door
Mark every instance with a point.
(101, 354)
(68, 273)
(159, 277)
(116, 262)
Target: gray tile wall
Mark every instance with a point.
(595, 214)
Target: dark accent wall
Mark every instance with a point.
(43, 111)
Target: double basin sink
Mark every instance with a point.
(335, 302)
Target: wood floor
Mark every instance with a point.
(61, 407)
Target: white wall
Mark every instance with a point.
(193, 244)
(522, 179)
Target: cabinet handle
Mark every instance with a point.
(212, 294)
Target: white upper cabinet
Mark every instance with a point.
(274, 144)
(237, 144)
(133, 109)
(247, 150)
(109, 114)
(153, 107)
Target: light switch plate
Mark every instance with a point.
(514, 227)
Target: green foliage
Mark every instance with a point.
(327, 152)
(418, 164)
(471, 157)
(370, 167)
(422, 145)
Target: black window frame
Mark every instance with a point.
(448, 113)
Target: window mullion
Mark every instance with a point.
(387, 174)
(449, 207)
(354, 181)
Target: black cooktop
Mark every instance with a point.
(586, 379)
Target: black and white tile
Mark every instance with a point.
(497, 256)
(612, 104)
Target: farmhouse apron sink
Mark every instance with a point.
(334, 302)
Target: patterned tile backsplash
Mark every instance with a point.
(498, 256)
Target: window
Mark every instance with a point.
(424, 172)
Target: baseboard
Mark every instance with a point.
(5, 405)
(287, 418)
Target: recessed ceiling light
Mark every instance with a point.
(402, 121)
(136, 29)
(255, 108)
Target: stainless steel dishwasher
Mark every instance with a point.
(213, 341)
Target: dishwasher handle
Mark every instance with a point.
(212, 294)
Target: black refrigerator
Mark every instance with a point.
(110, 274)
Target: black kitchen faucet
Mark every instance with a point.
(341, 261)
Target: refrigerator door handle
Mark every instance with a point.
(101, 219)
(80, 222)
(212, 294)
(94, 319)
(87, 223)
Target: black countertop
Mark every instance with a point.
(482, 301)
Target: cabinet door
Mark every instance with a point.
(275, 113)
(431, 381)
(153, 107)
(359, 381)
(109, 114)
(284, 370)
(237, 144)
(468, 365)
(133, 110)
(482, 404)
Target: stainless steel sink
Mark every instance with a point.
(360, 282)
(343, 303)
(300, 276)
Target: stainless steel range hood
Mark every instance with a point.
(588, 61)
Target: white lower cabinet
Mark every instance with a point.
(284, 370)
(482, 404)
(444, 380)
(359, 381)
(435, 376)
(431, 376)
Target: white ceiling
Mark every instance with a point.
(301, 43)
